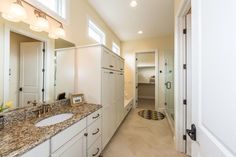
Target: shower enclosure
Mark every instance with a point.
(169, 85)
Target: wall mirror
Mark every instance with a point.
(30, 68)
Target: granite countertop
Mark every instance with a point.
(22, 136)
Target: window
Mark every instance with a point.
(57, 6)
(96, 33)
(115, 48)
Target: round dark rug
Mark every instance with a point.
(151, 115)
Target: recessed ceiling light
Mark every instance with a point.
(140, 32)
(133, 3)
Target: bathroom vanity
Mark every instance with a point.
(77, 136)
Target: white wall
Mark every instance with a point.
(65, 72)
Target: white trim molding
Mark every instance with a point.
(183, 9)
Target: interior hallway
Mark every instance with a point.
(138, 137)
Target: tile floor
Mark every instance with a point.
(138, 137)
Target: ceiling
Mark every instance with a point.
(154, 17)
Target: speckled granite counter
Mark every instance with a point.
(21, 136)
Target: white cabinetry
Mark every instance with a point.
(101, 79)
(76, 147)
(43, 150)
(79, 140)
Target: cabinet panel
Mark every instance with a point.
(120, 97)
(60, 139)
(106, 59)
(76, 147)
(43, 150)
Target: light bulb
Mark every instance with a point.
(133, 4)
(60, 32)
(41, 24)
(140, 32)
(52, 35)
(35, 28)
(16, 13)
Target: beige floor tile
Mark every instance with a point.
(138, 137)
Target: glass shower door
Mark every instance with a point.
(169, 86)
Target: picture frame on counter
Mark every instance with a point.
(77, 99)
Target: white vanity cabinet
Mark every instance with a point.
(42, 150)
(82, 139)
(100, 75)
(76, 147)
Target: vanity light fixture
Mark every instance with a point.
(15, 13)
(41, 23)
(133, 4)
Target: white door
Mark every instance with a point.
(214, 77)
(31, 74)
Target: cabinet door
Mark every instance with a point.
(120, 98)
(74, 148)
(42, 150)
(106, 59)
(108, 102)
(121, 65)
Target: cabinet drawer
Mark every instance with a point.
(60, 139)
(43, 150)
(94, 132)
(94, 116)
(95, 149)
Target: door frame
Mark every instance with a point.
(7, 32)
(180, 117)
(156, 78)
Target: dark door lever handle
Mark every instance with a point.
(192, 133)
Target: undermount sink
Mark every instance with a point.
(54, 120)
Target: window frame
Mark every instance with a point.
(52, 13)
(115, 46)
(96, 29)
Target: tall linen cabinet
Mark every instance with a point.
(100, 77)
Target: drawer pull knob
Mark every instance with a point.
(96, 132)
(98, 150)
(111, 66)
(86, 134)
(96, 116)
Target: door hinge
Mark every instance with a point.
(185, 66)
(185, 102)
(185, 31)
(184, 137)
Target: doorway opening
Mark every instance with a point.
(26, 70)
(146, 82)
